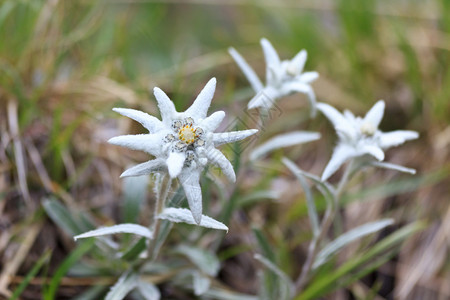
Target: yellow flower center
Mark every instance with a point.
(292, 69)
(368, 129)
(187, 134)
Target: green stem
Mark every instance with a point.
(326, 223)
(161, 197)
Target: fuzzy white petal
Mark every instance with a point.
(395, 167)
(145, 168)
(212, 122)
(346, 132)
(308, 77)
(252, 78)
(265, 98)
(183, 215)
(299, 61)
(199, 108)
(271, 57)
(332, 114)
(349, 115)
(375, 114)
(166, 106)
(150, 143)
(190, 181)
(120, 228)
(217, 158)
(175, 163)
(304, 88)
(372, 150)
(284, 140)
(341, 154)
(270, 54)
(232, 136)
(274, 74)
(151, 123)
(395, 138)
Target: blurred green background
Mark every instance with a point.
(65, 64)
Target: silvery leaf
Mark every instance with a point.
(201, 283)
(221, 294)
(120, 228)
(148, 290)
(312, 211)
(316, 179)
(135, 192)
(205, 260)
(348, 237)
(183, 215)
(284, 140)
(126, 283)
(395, 167)
(286, 285)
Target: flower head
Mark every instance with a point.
(282, 77)
(360, 137)
(183, 143)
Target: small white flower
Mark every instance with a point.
(360, 137)
(282, 77)
(182, 142)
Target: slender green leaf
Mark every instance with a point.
(350, 236)
(136, 250)
(62, 217)
(73, 257)
(5, 9)
(285, 285)
(324, 285)
(37, 266)
(264, 244)
(258, 196)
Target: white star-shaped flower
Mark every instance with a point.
(282, 77)
(183, 143)
(360, 137)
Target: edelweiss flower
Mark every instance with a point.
(282, 77)
(359, 137)
(183, 143)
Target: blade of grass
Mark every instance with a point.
(37, 266)
(134, 252)
(62, 217)
(73, 257)
(348, 237)
(264, 244)
(326, 284)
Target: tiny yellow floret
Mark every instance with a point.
(368, 129)
(187, 134)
